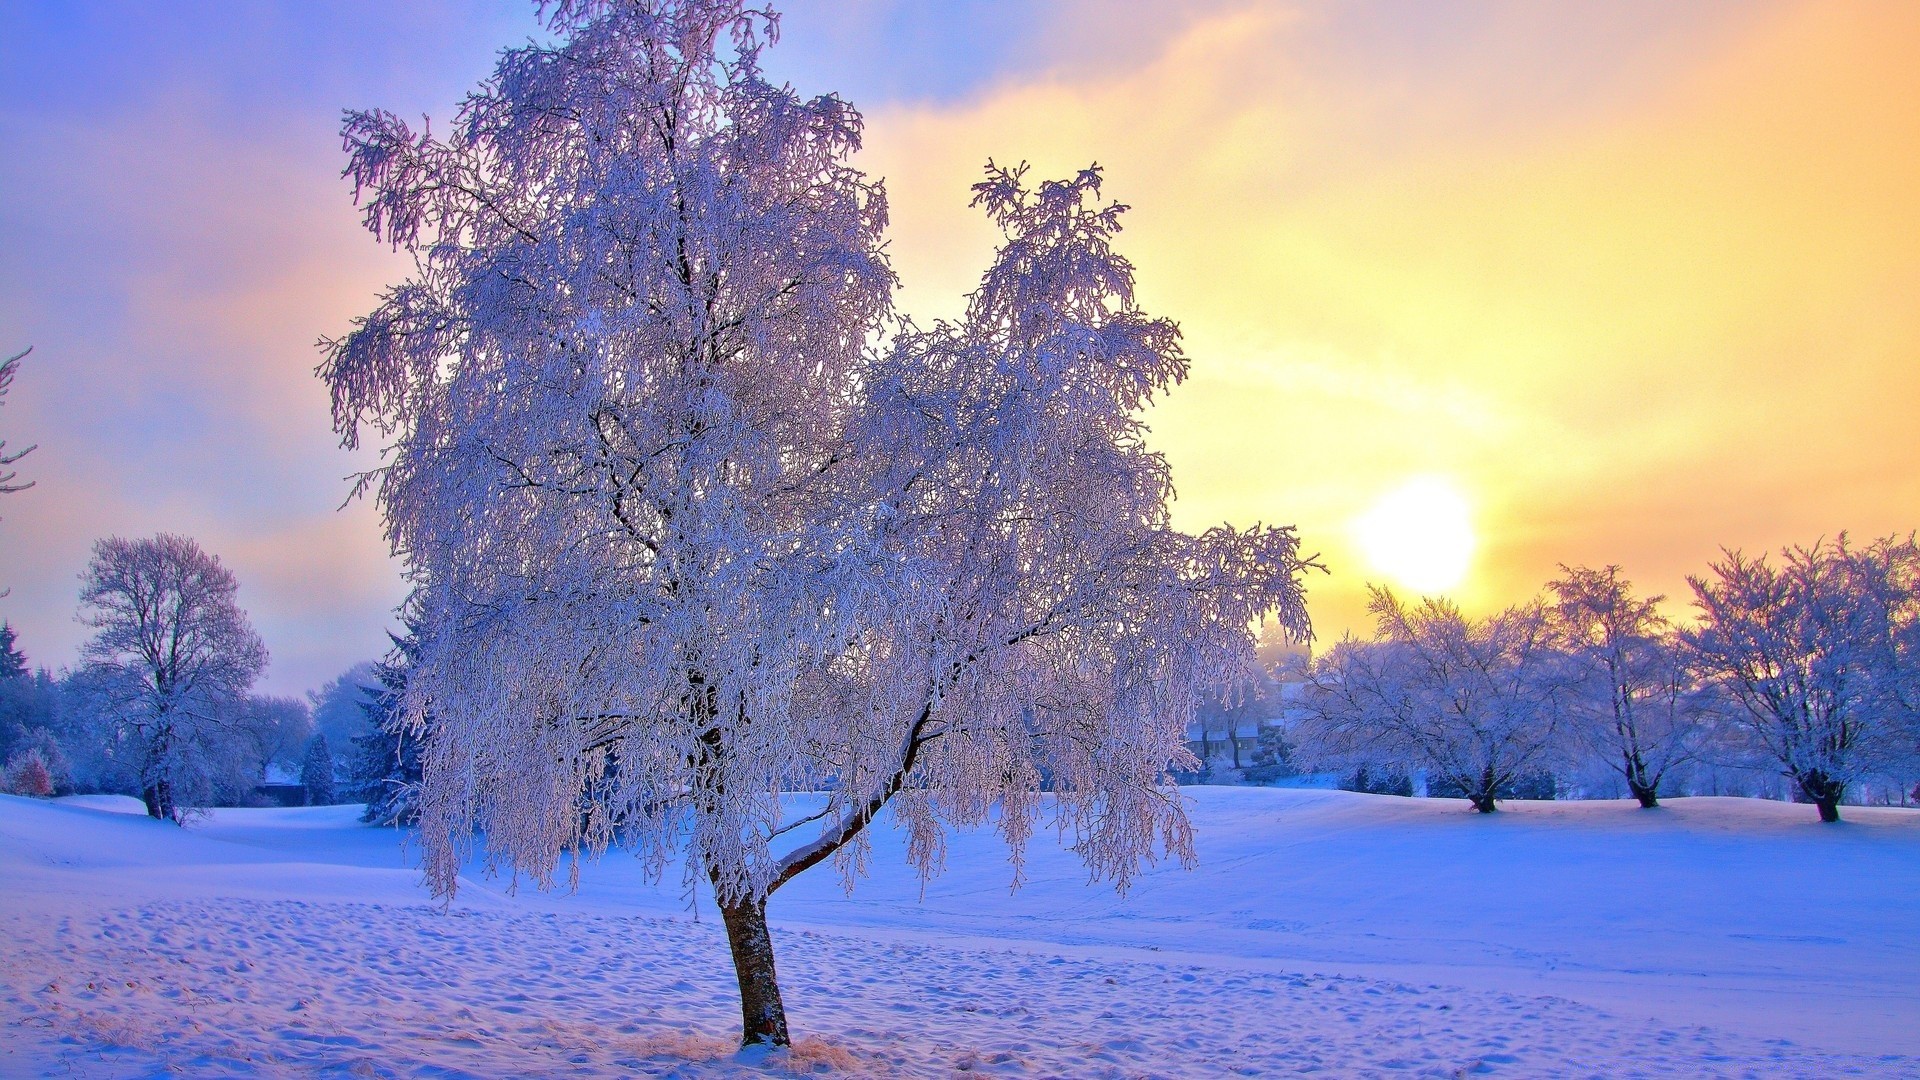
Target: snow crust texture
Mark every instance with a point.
(1323, 933)
(241, 988)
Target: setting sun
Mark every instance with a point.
(1419, 535)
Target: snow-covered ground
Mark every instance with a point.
(1322, 932)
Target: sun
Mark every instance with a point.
(1419, 535)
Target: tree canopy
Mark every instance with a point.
(687, 536)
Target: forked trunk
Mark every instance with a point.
(1823, 792)
(1639, 783)
(763, 1019)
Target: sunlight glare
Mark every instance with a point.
(1419, 535)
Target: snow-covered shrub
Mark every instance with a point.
(27, 774)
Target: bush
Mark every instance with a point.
(27, 774)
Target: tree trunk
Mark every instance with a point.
(1648, 800)
(1482, 797)
(1824, 793)
(156, 790)
(1638, 783)
(158, 795)
(763, 1019)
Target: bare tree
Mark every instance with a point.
(171, 655)
(8, 476)
(1816, 650)
(682, 543)
(1630, 698)
(1472, 701)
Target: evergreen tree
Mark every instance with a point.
(386, 768)
(316, 771)
(13, 662)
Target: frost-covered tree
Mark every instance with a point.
(682, 544)
(1630, 698)
(386, 763)
(171, 656)
(316, 771)
(30, 715)
(267, 730)
(340, 706)
(1472, 701)
(1815, 651)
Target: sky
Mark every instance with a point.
(1504, 285)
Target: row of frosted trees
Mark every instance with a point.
(1807, 664)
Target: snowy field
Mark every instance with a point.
(1327, 932)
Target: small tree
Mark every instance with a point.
(1814, 652)
(1471, 701)
(1630, 697)
(13, 662)
(684, 543)
(316, 771)
(171, 656)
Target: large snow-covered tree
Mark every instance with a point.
(171, 657)
(1629, 697)
(1817, 650)
(683, 542)
(1471, 701)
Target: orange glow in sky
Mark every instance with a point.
(1642, 287)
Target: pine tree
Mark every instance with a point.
(13, 662)
(386, 767)
(316, 771)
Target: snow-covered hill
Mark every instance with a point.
(1347, 933)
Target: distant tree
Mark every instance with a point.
(1813, 650)
(30, 715)
(1472, 701)
(339, 707)
(316, 771)
(386, 770)
(273, 730)
(685, 541)
(171, 656)
(1388, 781)
(1272, 755)
(1630, 697)
(13, 662)
(1237, 711)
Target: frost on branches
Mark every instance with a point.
(682, 541)
(170, 657)
(1473, 701)
(1819, 652)
(1630, 697)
